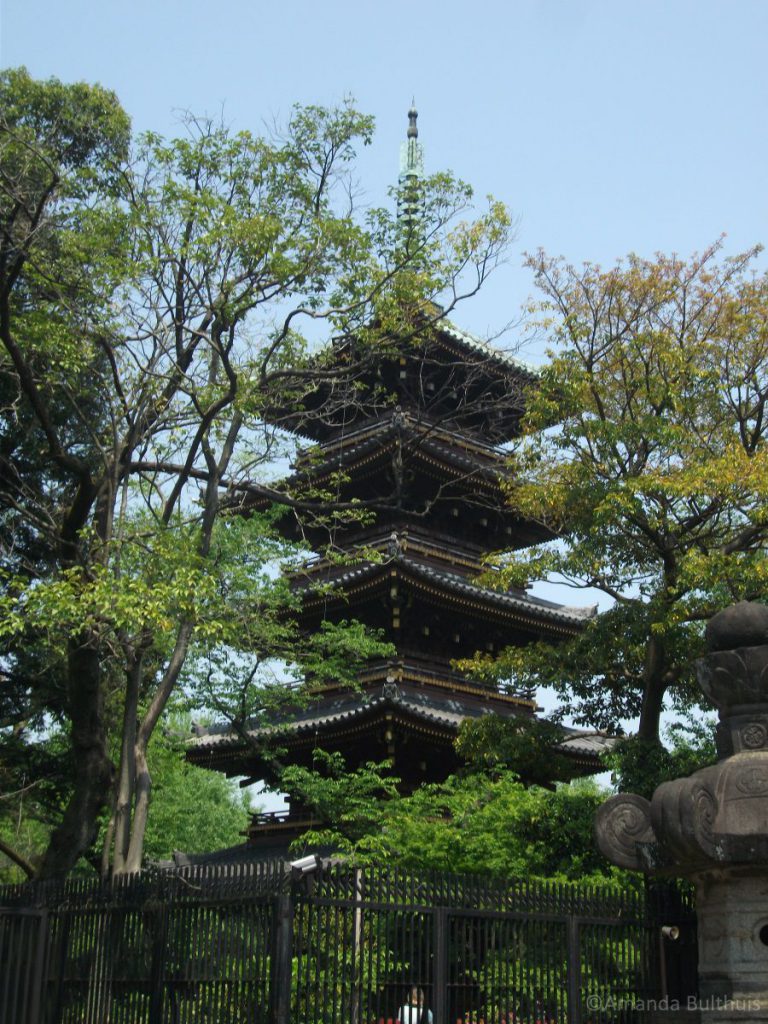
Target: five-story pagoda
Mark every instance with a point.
(418, 440)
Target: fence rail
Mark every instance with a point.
(341, 946)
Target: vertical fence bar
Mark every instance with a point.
(157, 974)
(39, 971)
(574, 970)
(440, 950)
(281, 968)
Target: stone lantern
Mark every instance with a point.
(712, 827)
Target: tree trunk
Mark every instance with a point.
(127, 771)
(142, 784)
(654, 688)
(142, 790)
(92, 767)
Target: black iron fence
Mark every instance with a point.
(338, 946)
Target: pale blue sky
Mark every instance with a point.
(607, 126)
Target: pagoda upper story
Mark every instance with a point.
(413, 429)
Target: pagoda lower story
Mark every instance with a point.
(406, 714)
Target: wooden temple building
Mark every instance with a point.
(421, 447)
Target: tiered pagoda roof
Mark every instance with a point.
(440, 372)
(415, 452)
(413, 430)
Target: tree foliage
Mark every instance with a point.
(639, 765)
(645, 449)
(193, 809)
(479, 821)
(526, 746)
(156, 296)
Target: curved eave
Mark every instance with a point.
(531, 613)
(363, 462)
(588, 745)
(361, 459)
(357, 713)
(461, 341)
(408, 424)
(227, 752)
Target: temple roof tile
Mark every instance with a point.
(537, 608)
(444, 712)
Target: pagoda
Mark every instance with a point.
(421, 447)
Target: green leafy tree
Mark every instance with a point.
(192, 809)
(639, 765)
(59, 149)
(527, 747)
(645, 450)
(480, 821)
(152, 303)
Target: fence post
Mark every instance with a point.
(441, 965)
(282, 960)
(357, 947)
(574, 970)
(62, 938)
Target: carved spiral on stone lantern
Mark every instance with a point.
(621, 823)
(704, 814)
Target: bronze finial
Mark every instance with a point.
(413, 131)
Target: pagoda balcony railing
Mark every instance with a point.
(265, 822)
(411, 668)
(434, 547)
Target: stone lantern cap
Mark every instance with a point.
(733, 676)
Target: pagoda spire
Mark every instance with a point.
(410, 193)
